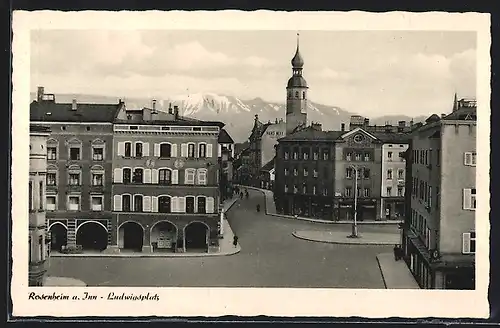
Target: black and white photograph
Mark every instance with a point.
(233, 162)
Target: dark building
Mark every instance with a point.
(225, 156)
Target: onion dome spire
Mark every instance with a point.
(297, 61)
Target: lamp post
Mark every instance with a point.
(354, 233)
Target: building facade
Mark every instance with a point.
(165, 182)
(79, 170)
(225, 155)
(38, 250)
(393, 177)
(439, 231)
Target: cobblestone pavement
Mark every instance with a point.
(270, 257)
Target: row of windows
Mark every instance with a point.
(419, 224)
(164, 150)
(75, 150)
(306, 154)
(399, 157)
(357, 156)
(305, 172)
(164, 176)
(425, 156)
(314, 190)
(297, 95)
(163, 204)
(423, 191)
(390, 176)
(74, 178)
(73, 203)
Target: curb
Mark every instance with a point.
(381, 272)
(340, 242)
(319, 221)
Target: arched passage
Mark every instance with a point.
(131, 236)
(196, 235)
(164, 236)
(58, 236)
(92, 235)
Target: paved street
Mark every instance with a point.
(270, 257)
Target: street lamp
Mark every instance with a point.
(354, 233)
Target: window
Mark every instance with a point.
(30, 191)
(165, 150)
(128, 149)
(469, 242)
(202, 177)
(138, 175)
(402, 157)
(51, 203)
(305, 154)
(51, 153)
(389, 174)
(51, 179)
(164, 176)
(366, 192)
(41, 190)
(286, 154)
(400, 192)
(366, 173)
(295, 153)
(191, 150)
(358, 157)
(306, 172)
(389, 191)
(164, 204)
(348, 173)
(202, 150)
(74, 153)
(389, 156)
(295, 189)
(97, 153)
(74, 203)
(295, 172)
(138, 149)
(426, 157)
(348, 192)
(97, 203)
(126, 203)
(314, 190)
(325, 191)
(97, 179)
(189, 176)
(304, 188)
(286, 188)
(286, 172)
(74, 179)
(470, 159)
(137, 203)
(469, 199)
(304, 95)
(315, 154)
(348, 156)
(315, 173)
(190, 204)
(296, 94)
(401, 174)
(202, 204)
(367, 157)
(127, 175)
(326, 154)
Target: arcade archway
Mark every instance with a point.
(131, 236)
(58, 236)
(196, 235)
(92, 236)
(164, 237)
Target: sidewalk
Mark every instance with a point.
(396, 274)
(225, 247)
(270, 209)
(63, 282)
(340, 237)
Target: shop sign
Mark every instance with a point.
(369, 206)
(345, 206)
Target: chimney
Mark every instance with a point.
(411, 123)
(170, 111)
(443, 115)
(401, 124)
(74, 106)
(153, 111)
(276, 121)
(342, 127)
(366, 122)
(39, 95)
(176, 112)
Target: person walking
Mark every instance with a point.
(235, 241)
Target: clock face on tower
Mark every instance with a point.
(358, 138)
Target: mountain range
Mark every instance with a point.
(236, 113)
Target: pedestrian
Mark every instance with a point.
(235, 241)
(241, 195)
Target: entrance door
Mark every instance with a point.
(196, 236)
(133, 235)
(58, 237)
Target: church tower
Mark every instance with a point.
(296, 100)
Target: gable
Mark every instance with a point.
(359, 138)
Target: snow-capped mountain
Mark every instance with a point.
(238, 114)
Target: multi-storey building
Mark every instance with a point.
(225, 155)
(242, 164)
(165, 181)
(38, 252)
(393, 178)
(439, 232)
(304, 174)
(78, 179)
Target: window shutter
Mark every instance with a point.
(186, 176)
(132, 150)
(196, 204)
(121, 149)
(466, 243)
(154, 174)
(174, 205)
(146, 203)
(157, 150)
(145, 149)
(467, 199)
(210, 205)
(181, 201)
(219, 150)
(117, 203)
(154, 204)
(175, 176)
(174, 150)
(430, 196)
(209, 150)
(147, 175)
(184, 150)
(118, 175)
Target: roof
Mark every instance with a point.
(392, 137)
(181, 120)
(239, 147)
(39, 128)
(225, 138)
(50, 111)
(312, 134)
(464, 113)
(297, 81)
(268, 166)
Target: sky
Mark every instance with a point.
(372, 73)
